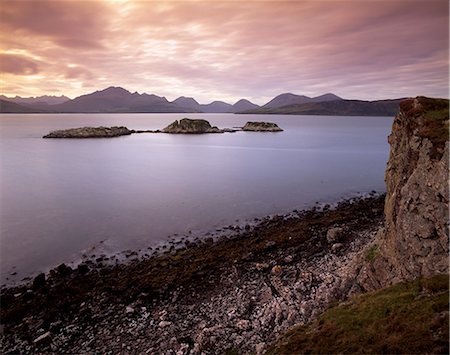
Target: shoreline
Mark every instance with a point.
(157, 290)
(95, 253)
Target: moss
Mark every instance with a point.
(405, 318)
(372, 253)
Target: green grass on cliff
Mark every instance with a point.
(407, 318)
(433, 122)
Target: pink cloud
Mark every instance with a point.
(227, 50)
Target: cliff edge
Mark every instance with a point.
(415, 241)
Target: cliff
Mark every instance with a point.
(415, 241)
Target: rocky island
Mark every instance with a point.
(183, 126)
(261, 127)
(90, 132)
(190, 126)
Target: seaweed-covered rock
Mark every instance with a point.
(190, 126)
(261, 127)
(90, 132)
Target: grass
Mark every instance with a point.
(407, 318)
(372, 253)
(431, 121)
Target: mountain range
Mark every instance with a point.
(119, 100)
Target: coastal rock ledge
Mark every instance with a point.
(261, 127)
(90, 132)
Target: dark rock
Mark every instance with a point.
(39, 281)
(64, 270)
(44, 339)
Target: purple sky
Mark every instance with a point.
(218, 50)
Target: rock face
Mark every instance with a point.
(415, 241)
(189, 126)
(90, 132)
(261, 127)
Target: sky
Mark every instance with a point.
(226, 50)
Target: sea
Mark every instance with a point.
(61, 199)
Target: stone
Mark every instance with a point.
(261, 127)
(129, 310)
(243, 324)
(43, 339)
(39, 281)
(336, 247)
(276, 270)
(259, 348)
(334, 234)
(164, 324)
(261, 266)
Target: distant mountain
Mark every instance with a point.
(243, 105)
(117, 99)
(292, 99)
(326, 97)
(285, 100)
(36, 101)
(336, 108)
(12, 107)
(217, 107)
(187, 102)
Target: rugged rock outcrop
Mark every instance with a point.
(261, 127)
(415, 241)
(190, 126)
(90, 132)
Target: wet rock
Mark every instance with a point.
(64, 270)
(39, 281)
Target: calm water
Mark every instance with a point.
(60, 198)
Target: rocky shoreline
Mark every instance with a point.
(238, 293)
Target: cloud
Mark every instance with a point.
(18, 65)
(227, 50)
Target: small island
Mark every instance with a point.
(261, 127)
(190, 126)
(183, 126)
(90, 132)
